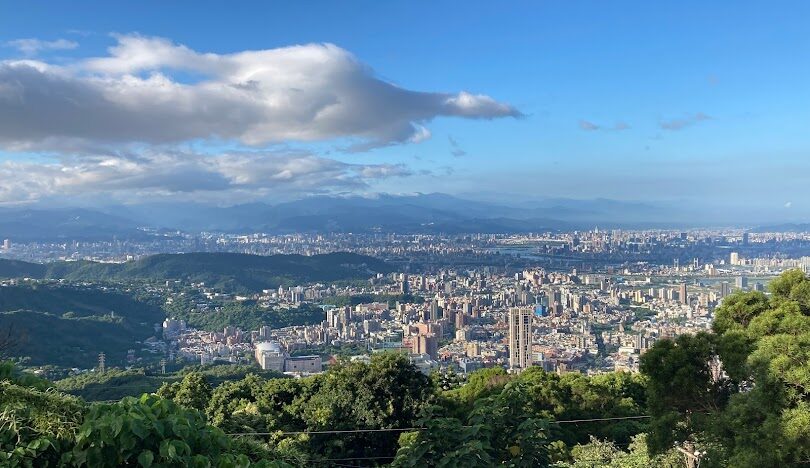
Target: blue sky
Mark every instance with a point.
(687, 102)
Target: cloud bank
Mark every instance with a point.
(157, 174)
(311, 92)
(112, 125)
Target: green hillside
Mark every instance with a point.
(18, 269)
(72, 342)
(232, 271)
(77, 302)
(69, 326)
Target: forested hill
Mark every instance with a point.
(232, 271)
(18, 269)
(70, 325)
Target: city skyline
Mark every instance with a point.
(694, 106)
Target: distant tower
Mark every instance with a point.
(101, 363)
(405, 287)
(725, 289)
(520, 337)
(162, 366)
(682, 294)
(734, 258)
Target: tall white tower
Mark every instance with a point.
(520, 337)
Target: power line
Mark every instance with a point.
(619, 418)
(402, 429)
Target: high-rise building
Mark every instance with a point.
(741, 282)
(734, 258)
(520, 337)
(405, 287)
(682, 294)
(264, 332)
(7, 244)
(426, 344)
(434, 311)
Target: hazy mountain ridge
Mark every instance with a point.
(421, 213)
(34, 224)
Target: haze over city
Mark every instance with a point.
(699, 110)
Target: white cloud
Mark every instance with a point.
(153, 174)
(311, 92)
(34, 46)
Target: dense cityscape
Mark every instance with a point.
(595, 302)
(369, 234)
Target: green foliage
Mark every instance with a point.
(81, 301)
(47, 428)
(738, 310)
(602, 453)
(73, 342)
(193, 392)
(500, 431)
(757, 413)
(249, 316)
(444, 442)
(387, 393)
(115, 383)
(150, 431)
(10, 373)
(36, 426)
(69, 325)
(682, 392)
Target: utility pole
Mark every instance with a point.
(101, 363)
(162, 366)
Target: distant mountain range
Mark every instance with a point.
(786, 227)
(423, 213)
(229, 271)
(56, 224)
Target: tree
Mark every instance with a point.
(444, 442)
(603, 453)
(387, 393)
(500, 431)
(193, 392)
(149, 431)
(753, 409)
(682, 390)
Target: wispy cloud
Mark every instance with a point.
(34, 46)
(455, 149)
(681, 123)
(619, 126)
(589, 126)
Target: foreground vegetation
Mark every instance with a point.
(739, 395)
